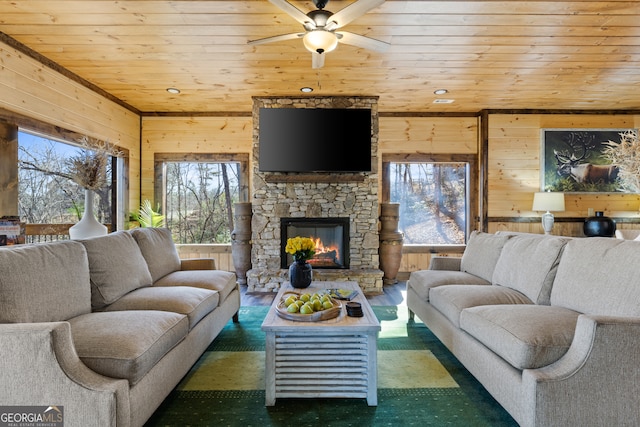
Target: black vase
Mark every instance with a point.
(300, 274)
(599, 226)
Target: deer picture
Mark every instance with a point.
(574, 165)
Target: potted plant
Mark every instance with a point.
(147, 217)
(301, 249)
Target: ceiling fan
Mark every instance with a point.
(320, 26)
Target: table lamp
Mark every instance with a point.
(548, 201)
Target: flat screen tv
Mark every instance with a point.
(314, 140)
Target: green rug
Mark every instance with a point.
(419, 384)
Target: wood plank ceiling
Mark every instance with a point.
(487, 54)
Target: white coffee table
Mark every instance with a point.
(329, 358)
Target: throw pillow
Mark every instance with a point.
(44, 282)
(528, 264)
(482, 253)
(117, 267)
(158, 249)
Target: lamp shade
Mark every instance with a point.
(320, 41)
(548, 201)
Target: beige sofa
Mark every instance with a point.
(549, 325)
(106, 327)
(627, 234)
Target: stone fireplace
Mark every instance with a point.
(316, 198)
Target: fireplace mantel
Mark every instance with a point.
(315, 177)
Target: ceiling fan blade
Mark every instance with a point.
(351, 12)
(276, 38)
(290, 9)
(317, 60)
(362, 41)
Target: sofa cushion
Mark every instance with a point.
(440, 262)
(528, 264)
(117, 267)
(423, 281)
(527, 336)
(158, 249)
(481, 254)
(216, 280)
(451, 300)
(126, 344)
(44, 283)
(195, 303)
(599, 276)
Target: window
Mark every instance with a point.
(434, 197)
(198, 194)
(46, 192)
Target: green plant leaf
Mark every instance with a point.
(147, 217)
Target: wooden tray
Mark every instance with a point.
(330, 313)
(343, 294)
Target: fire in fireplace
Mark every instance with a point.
(331, 236)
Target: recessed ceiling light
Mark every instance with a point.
(440, 91)
(173, 90)
(306, 89)
(443, 101)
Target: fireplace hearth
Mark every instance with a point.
(331, 236)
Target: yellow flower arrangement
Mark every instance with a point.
(301, 248)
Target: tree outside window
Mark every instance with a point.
(433, 196)
(199, 199)
(47, 193)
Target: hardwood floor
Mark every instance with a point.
(392, 295)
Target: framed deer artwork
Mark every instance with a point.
(584, 160)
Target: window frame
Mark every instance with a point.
(160, 184)
(472, 189)
(119, 167)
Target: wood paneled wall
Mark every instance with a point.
(428, 135)
(233, 134)
(33, 90)
(433, 135)
(228, 134)
(568, 228)
(514, 165)
(513, 160)
(220, 253)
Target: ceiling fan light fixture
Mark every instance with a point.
(320, 41)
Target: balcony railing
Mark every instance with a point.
(39, 233)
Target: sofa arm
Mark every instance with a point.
(198, 264)
(597, 382)
(40, 366)
(445, 263)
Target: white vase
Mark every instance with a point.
(88, 226)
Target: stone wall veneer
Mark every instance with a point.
(277, 195)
